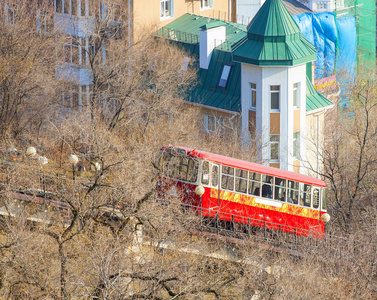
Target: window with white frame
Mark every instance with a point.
(86, 92)
(274, 147)
(275, 97)
(71, 7)
(166, 9)
(253, 96)
(206, 4)
(321, 5)
(73, 53)
(224, 76)
(109, 106)
(213, 125)
(111, 57)
(71, 97)
(296, 94)
(114, 11)
(66, 7)
(11, 11)
(45, 22)
(296, 144)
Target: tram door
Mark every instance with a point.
(215, 193)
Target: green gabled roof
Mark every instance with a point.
(185, 32)
(208, 93)
(273, 39)
(186, 29)
(314, 100)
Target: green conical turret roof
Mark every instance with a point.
(274, 39)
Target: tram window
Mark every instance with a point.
(324, 204)
(305, 195)
(183, 168)
(315, 198)
(178, 167)
(241, 181)
(293, 188)
(164, 164)
(227, 178)
(192, 172)
(254, 184)
(205, 172)
(173, 167)
(280, 189)
(215, 176)
(267, 182)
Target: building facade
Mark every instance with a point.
(261, 74)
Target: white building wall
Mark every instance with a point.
(322, 5)
(315, 143)
(276, 76)
(247, 9)
(297, 74)
(251, 74)
(264, 77)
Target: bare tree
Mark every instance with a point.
(26, 65)
(349, 157)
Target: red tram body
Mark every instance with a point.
(242, 192)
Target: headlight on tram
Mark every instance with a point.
(325, 218)
(199, 190)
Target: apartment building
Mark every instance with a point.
(78, 20)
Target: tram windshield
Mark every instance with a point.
(179, 167)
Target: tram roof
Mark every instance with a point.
(237, 163)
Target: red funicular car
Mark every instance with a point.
(242, 192)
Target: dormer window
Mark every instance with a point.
(224, 76)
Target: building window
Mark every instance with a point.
(253, 96)
(321, 5)
(45, 22)
(296, 94)
(213, 125)
(71, 98)
(73, 53)
(206, 4)
(224, 76)
(67, 7)
(166, 9)
(296, 144)
(114, 12)
(275, 97)
(274, 146)
(111, 57)
(11, 10)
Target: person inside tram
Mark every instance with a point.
(266, 188)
